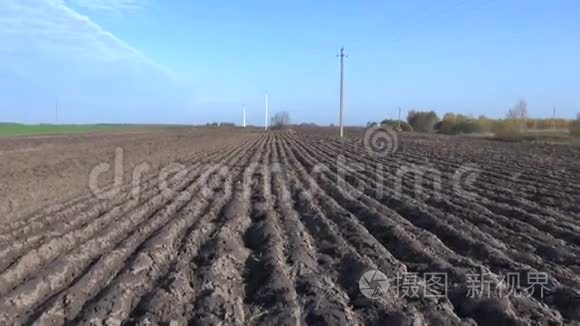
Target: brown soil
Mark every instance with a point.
(262, 231)
(40, 170)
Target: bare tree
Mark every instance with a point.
(518, 111)
(578, 117)
(281, 120)
(518, 114)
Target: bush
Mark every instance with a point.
(280, 120)
(423, 121)
(542, 124)
(507, 128)
(470, 127)
(460, 124)
(447, 125)
(397, 125)
(405, 126)
(575, 127)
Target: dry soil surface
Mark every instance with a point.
(278, 228)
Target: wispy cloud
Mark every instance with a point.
(111, 5)
(50, 27)
(48, 48)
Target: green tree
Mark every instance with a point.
(575, 127)
(423, 121)
(453, 124)
(397, 125)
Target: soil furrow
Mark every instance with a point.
(281, 228)
(486, 220)
(322, 301)
(537, 249)
(55, 211)
(152, 259)
(345, 264)
(36, 258)
(221, 260)
(63, 211)
(42, 231)
(139, 225)
(465, 244)
(171, 300)
(490, 184)
(268, 286)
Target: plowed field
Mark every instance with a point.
(280, 228)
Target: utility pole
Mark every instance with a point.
(266, 120)
(399, 121)
(341, 55)
(244, 116)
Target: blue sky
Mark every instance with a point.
(153, 61)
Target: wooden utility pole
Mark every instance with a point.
(341, 55)
(399, 121)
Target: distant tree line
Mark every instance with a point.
(220, 124)
(575, 127)
(516, 122)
